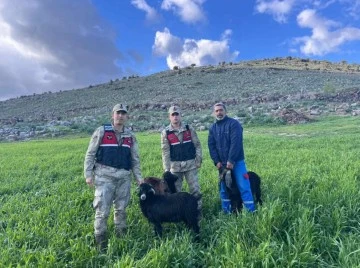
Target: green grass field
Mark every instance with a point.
(310, 218)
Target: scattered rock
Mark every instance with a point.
(291, 116)
(315, 112)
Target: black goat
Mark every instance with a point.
(165, 185)
(177, 207)
(234, 192)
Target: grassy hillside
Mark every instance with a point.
(310, 218)
(280, 91)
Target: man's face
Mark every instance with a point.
(175, 118)
(119, 118)
(219, 112)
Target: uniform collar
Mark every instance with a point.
(124, 131)
(181, 128)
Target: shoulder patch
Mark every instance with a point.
(108, 127)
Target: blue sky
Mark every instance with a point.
(60, 45)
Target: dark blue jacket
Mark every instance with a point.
(226, 141)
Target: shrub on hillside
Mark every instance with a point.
(329, 88)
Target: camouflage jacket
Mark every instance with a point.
(90, 158)
(180, 166)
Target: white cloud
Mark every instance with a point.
(277, 8)
(309, 19)
(327, 36)
(190, 11)
(151, 14)
(165, 44)
(226, 34)
(322, 4)
(353, 8)
(53, 45)
(200, 52)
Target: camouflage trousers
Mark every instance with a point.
(111, 191)
(192, 179)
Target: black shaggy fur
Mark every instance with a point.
(234, 193)
(177, 207)
(170, 181)
(163, 186)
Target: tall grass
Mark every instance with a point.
(310, 218)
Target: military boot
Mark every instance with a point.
(120, 231)
(101, 242)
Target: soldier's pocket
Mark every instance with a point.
(97, 198)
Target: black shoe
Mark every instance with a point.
(101, 242)
(120, 232)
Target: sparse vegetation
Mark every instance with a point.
(260, 85)
(329, 88)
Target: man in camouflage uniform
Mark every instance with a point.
(111, 155)
(181, 152)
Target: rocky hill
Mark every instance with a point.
(276, 91)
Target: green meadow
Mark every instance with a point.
(310, 217)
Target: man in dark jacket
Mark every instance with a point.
(225, 143)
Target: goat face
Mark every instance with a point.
(145, 191)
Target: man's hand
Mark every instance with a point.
(89, 181)
(218, 165)
(140, 181)
(198, 162)
(229, 165)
